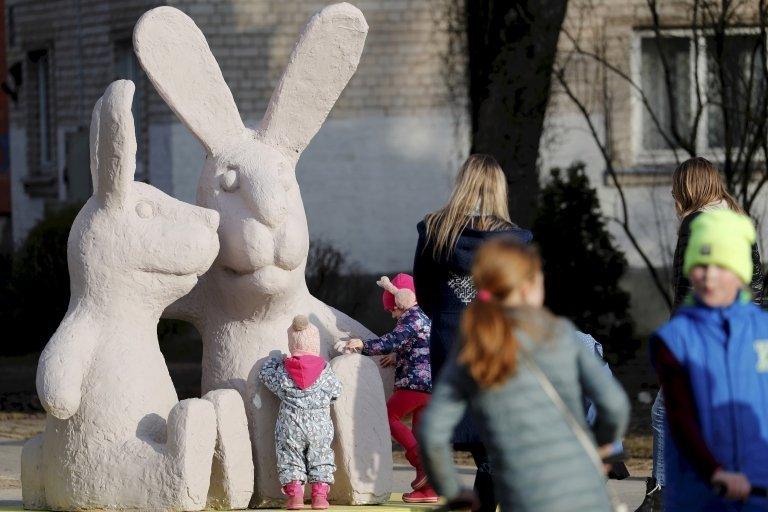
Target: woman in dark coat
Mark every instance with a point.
(448, 238)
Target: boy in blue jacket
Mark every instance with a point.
(712, 361)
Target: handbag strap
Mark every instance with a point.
(578, 430)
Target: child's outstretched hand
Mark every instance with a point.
(387, 360)
(347, 347)
(354, 345)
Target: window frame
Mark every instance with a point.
(698, 78)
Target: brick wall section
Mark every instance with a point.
(400, 71)
(77, 81)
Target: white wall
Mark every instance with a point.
(367, 182)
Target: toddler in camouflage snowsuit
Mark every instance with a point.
(306, 386)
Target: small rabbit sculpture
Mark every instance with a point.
(246, 301)
(116, 435)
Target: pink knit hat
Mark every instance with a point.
(400, 292)
(303, 336)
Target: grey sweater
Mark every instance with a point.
(538, 464)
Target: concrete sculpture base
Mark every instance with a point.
(366, 458)
(243, 305)
(116, 435)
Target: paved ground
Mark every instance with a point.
(630, 491)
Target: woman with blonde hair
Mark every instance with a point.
(697, 187)
(522, 372)
(448, 239)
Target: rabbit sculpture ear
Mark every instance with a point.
(323, 60)
(114, 154)
(94, 145)
(176, 57)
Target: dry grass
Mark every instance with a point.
(19, 425)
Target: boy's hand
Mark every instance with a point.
(737, 486)
(387, 360)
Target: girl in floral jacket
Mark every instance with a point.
(409, 342)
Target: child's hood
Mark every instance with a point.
(304, 370)
(471, 239)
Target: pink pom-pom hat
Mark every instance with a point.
(402, 282)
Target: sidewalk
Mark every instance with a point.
(630, 491)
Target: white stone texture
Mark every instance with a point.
(116, 435)
(244, 304)
(232, 472)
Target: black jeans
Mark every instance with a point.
(483, 478)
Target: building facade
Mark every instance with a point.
(386, 155)
(647, 83)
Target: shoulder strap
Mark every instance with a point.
(578, 430)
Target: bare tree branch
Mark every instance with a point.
(602, 61)
(624, 222)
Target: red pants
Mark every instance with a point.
(402, 403)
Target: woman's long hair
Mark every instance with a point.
(479, 199)
(489, 346)
(696, 183)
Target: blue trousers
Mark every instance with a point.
(658, 418)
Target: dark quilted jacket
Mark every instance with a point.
(444, 288)
(680, 284)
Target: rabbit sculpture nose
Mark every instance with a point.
(266, 199)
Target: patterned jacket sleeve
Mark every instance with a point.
(681, 287)
(270, 377)
(758, 279)
(390, 342)
(334, 386)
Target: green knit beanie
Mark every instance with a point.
(723, 238)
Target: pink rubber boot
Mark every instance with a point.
(295, 492)
(424, 495)
(320, 495)
(413, 457)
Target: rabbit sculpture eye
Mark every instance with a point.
(230, 179)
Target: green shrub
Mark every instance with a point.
(37, 291)
(582, 263)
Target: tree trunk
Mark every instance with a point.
(512, 47)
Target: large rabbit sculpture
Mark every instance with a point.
(244, 304)
(116, 435)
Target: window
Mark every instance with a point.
(676, 50)
(127, 68)
(737, 83)
(729, 72)
(41, 69)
